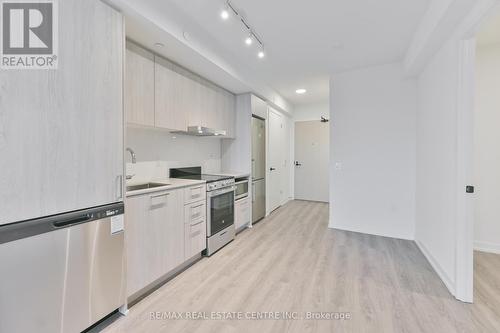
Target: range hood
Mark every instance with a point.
(201, 131)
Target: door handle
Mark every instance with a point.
(297, 163)
(272, 169)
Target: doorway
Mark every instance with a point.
(312, 160)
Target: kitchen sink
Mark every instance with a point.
(145, 186)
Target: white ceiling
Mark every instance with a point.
(305, 41)
(489, 32)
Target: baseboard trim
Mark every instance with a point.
(487, 247)
(370, 233)
(437, 268)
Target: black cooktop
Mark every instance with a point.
(194, 173)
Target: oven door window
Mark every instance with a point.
(221, 212)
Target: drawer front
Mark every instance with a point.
(194, 193)
(242, 212)
(195, 238)
(195, 211)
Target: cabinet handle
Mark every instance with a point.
(196, 188)
(197, 223)
(197, 206)
(160, 195)
(194, 234)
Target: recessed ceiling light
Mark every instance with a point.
(159, 45)
(249, 40)
(301, 91)
(224, 14)
(261, 54)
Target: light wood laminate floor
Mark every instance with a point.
(292, 262)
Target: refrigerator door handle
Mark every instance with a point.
(253, 192)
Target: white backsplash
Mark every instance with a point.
(157, 151)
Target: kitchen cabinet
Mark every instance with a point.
(162, 94)
(154, 236)
(259, 107)
(139, 86)
(61, 131)
(171, 97)
(242, 214)
(195, 232)
(195, 193)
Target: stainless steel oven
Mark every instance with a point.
(220, 218)
(241, 190)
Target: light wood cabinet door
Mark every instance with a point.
(154, 237)
(170, 97)
(139, 86)
(209, 107)
(259, 107)
(230, 114)
(143, 236)
(196, 238)
(61, 131)
(241, 213)
(226, 112)
(195, 193)
(195, 229)
(175, 230)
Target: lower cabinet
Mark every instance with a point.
(195, 228)
(242, 214)
(162, 230)
(154, 235)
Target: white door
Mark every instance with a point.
(276, 160)
(311, 160)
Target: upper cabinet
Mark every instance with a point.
(139, 86)
(162, 94)
(259, 107)
(171, 97)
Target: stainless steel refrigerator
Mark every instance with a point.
(258, 169)
(62, 263)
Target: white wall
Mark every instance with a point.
(486, 149)
(159, 150)
(436, 196)
(442, 155)
(372, 135)
(311, 111)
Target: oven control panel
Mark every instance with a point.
(220, 184)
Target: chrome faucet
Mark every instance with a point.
(132, 153)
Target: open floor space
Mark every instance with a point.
(291, 262)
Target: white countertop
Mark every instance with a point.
(170, 184)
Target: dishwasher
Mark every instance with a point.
(62, 273)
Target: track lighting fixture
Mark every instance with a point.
(228, 10)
